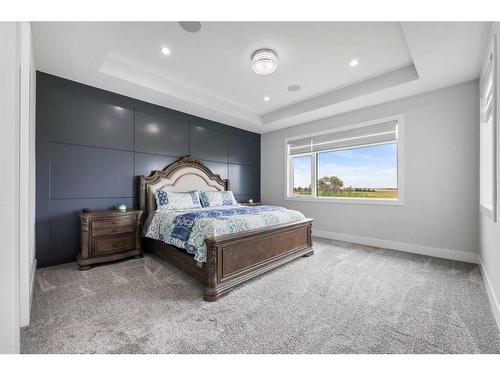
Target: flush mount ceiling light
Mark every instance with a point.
(264, 61)
(267, 98)
(165, 51)
(354, 63)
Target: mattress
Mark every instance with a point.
(188, 229)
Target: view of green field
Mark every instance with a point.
(375, 193)
(386, 193)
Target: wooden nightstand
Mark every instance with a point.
(109, 235)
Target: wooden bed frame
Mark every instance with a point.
(231, 259)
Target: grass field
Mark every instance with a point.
(378, 193)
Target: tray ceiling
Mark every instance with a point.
(208, 72)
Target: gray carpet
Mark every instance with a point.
(345, 299)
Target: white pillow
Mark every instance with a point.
(177, 201)
(217, 198)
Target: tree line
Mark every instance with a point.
(331, 184)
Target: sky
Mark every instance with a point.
(372, 166)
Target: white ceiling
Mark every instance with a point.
(208, 73)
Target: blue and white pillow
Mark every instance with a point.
(161, 198)
(217, 198)
(177, 201)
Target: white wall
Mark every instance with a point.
(27, 172)
(9, 188)
(17, 190)
(439, 215)
(489, 232)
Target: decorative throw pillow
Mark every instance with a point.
(177, 201)
(183, 201)
(161, 199)
(217, 198)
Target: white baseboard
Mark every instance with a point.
(25, 318)
(495, 305)
(26, 300)
(32, 286)
(463, 256)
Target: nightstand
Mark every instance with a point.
(109, 235)
(251, 204)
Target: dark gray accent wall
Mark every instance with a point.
(92, 144)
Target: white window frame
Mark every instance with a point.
(313, 172)
(489, 211)
(288, 167)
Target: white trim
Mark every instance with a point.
(495, 125)
(9, 192)
(26, 173)
(489, 211)
(370, 201)
(463, 256)
(495, 304)
(33, 278)
(400, 118)
(314, 174)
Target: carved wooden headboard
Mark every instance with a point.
(186, 174)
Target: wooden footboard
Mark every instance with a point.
(234, 259)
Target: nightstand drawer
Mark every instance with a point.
(112, 231)
(113, 244)
(113, 223)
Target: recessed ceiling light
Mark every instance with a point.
(165, 51)
(264, 61)
(267, 98)
(293, 88)
(354, 62)
(191, 26)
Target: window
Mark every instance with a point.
(302, 175)
(361, 172)
(358, 164)
(487, 131)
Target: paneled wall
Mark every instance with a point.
(92, 144)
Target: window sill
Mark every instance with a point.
(488, 212)
(369, 201)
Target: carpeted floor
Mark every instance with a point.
(345, 299)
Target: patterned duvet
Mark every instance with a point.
(189, 229)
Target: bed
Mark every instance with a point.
(228, 259)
